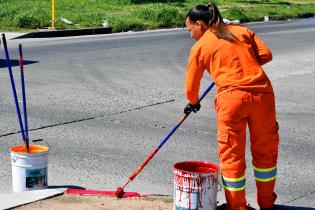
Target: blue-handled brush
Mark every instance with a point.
(14, 90)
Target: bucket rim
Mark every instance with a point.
(179, 166)
(20, 149)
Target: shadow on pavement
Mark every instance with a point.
(284, 207)
(65, 186)
(3, 63)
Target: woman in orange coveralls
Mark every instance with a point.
(233, 55)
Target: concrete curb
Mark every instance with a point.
(13, 200)
(64, 33)
(50, 33)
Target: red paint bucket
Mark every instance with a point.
(195, 185)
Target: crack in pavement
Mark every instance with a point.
(302, 196)
(92, 118)
(160, 126)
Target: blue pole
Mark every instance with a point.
(184, 118)
(13, 85)
(23, 96)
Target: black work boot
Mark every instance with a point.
(272, 208)
(249, 207)
(221, 207)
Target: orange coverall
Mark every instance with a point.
(244, 97)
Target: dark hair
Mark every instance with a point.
(210, 14)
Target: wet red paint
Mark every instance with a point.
(192, 177)
(119, 192)
(196, 167)
(101, 192)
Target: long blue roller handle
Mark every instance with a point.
(145, 162)
(23, 96)
(13, 85)
(184, 118)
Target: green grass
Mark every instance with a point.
(125, 15)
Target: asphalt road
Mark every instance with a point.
(102, 103)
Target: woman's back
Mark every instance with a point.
(235, 65)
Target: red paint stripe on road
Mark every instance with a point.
(101, 192)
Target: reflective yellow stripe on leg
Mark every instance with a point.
(265, 174)
(234, 184)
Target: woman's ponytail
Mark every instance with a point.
(220, 28)
(210, 15)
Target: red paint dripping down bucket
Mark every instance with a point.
(195, 185)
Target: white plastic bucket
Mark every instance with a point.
(29, 170)
(195, 185)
